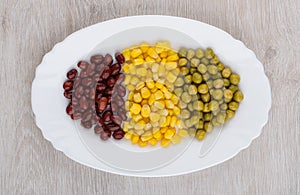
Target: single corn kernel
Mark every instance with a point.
(167, 94)
(161, 70)
(151, 99)
(182, 133)
(171, 77)
(144, 47)
(142, 144)
(149, 59)
(163, 112)
(173, 121)
(127, 105)
(135, 108)
(152, 141)
(138, 61)
(130, 87)
(154, 117)
(173, 57)
(150, 84)
(134, 139)
(168, 120)
(127, 79)
(130, 96)
(145, 92)
(152, 53)
(175, 99)
(153, 108)
(169, 104)
(169, 134)
(165, 142)
(162, 120)
(132, 70)
(158, 136)
(125, 68)
(146, 136)
(140, 85)
(148, 126)
(142, 72)
(158, 95)
(164, 130)
(176, 110)
(163, 54)
(137, 97)
(175, 139)
(134, 80)
(136, 117)
(126, 54)
(159, 104)
(155, 67)
(128, 135)
(145, 111)
(136, 52)
(155, 130)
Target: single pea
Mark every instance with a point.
(230, 114)
(214, 122)
(200, 124)
(226, 82)
(182, 52)
(213, 105)
(200, 134)
(238, 96)
(184, 71)
(199, 53)
(182, 62)
(197, 78)
(233, 106)
(194, 98)
(228, 94)
(205, 97)
(194, 120)
(208, 126)
(195, 62)
(182, 105)
(207, 116)
(224, 106)
(210, 84)
(190, 54)
(217, 94)
(204, 61)
(216, 112)
(186, 88)
(198, 105)
(188, 123)
(185, 114)
(179, 82)
(212, 69)
(192, 90)
(234, 79)
(203, 88)
(185, 97)
(221, 66)
(178, 91)
(233, 88)
(209, 54)
(190, 106)
(188, 79)
(221, 101)
(202, 68)
(192, 131)
(206, 108)
(221, 117)
(218, 83)
(193, 70)
(226, 72)
(214, 60)
(206, 76)
(216, 76)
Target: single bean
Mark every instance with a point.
(72, 74)
(82, 64)
(118, 134)
(108, 60)
(68, 85)
(100, 87)
(116, 119)
(120, 58)
(105, 73)
(112, 127)
(87, 82)
(68, 94)
(97, 59)
(120, 78)
(121, 90)
(115, 69)
(86, 124)
(107, 116)
(70, 109)
(98, 129)
(104, 135)
(90, 71)
(102, 103)
(110, 82)
(100, 67)
(83, 74)
(87, 116)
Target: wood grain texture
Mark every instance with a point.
(30, 165)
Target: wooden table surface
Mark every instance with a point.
(30, 165)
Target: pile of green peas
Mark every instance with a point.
(208, 91)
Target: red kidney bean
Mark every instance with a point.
(98, 129)
(83, 103)
(115, 69)
(105, 73)
(119, 100)
(70, 109)
(116, 119)
(87, 115)
(100, 120)
(68, 94)
(96, 77)
(121, 90)
(118, 134)
(87, 82)
(76, 115)
(112, 127)
(92, 94)
(82, 64)
(72, 74)
(110, 82)
(90, 71)
(107, 116)
(83, 74)
(68, 85)
(114, 106)
(119, 57)
(108, 91)
(120, 78)
(77, 82)
(102, 103)
(97, 59)
(104, 135)
(100, 87)
(79, 92)
(100, 67)
(86, 124)
(123, 116)
(108, 60)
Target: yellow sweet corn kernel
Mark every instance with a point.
(125, 126)
(157, 135)
(136, 52)
(154, 117)
(153, 108)
(173, 58)
(167, 94)
(134, 81)
(127, 79)
(134, 139)
(161, 70)
(148, 126)
(155, 67)
(136, 117)
(152, 53)
(142, 144)
(175, 99)
(154, 90)
(137, 97)
(140, 132)
(171, 77)
(165, 142)
(158, 95)
(140, 85)
(182, 133)
(149, 59)
(137, 61)
(155, 130)
(171, 52)
(132, 70)
(135, 108)
(144, 102)
(173, 121)
(141, 72)
(130, 96)
(179, 123)
(159, 104)
(150, 84)
(125, 68)
(175, 139)
(163, 54)
(144, 47)
(163, 112)
(176, 110)
(171, 65)
(130, 87)
(151, 99)
(140, 125)
(127, 105)
(159, 84)
(145, 111)
(155, 76)
(162, 120)
(169, 104)
(145, 92)
(163, 61)
(176, 71)
(146, 136)
(128, 135)
(126, 54)
(152, 141)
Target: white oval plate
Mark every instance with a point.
(49, 104)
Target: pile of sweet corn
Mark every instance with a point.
(152, 107)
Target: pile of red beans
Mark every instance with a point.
(96, 95)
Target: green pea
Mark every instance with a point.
(198, 105)
(217, 94)
(216, 112)
(214, 60)
(209, 54)
(178, 91)
(221, 66)
(214, 122)
(218, 83)
(186, 98)
(195, 62)
(228, 94)
(188, 79)
(202, 68)
(207, 116)
(192, 90)
(208, 126)
(182, 62)
(233, 88)
(194, 120)
(205, 97)
(233, 106)
(182, 52)
(216, 76)
(186, 88)
(212, 69)
(179, 82)
(206, 108)
(197, 78)
(238, 96)
(190, 54)
(199, 53)
(204, 61)
(203, 88)
(221, 117)
(234, 79)
(213, 105)
(224, 106)
(200, 134)
(230, 114)
(185, 114)
(184, 71)
(206, 77)
(182, 105)
(226, 72)
(226, 82)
